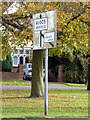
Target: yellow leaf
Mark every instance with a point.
(1, 44)
(5, 18)
(13, 21)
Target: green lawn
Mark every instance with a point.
(17, 103)
(14, 82)
(76, 85)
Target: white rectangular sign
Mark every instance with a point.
(40, 24)
(49, 37)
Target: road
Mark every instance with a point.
(50, 86)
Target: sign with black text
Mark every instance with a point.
(49, 37)
(45, 30)
(40, 24)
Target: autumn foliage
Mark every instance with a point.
(72, 26)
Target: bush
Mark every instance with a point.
(7, 64)
(77, 71)
(55, 61)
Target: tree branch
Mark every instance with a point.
(22, 17)
(83, 10)
(9, 22)
(13, 24)
(88, 23)
(11, 30)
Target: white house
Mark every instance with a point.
(22, 56)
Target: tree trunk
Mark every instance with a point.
(37, 84)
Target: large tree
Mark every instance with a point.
(72, 33)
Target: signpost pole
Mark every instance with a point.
(46, 81)
(45, 23)
(40, 33)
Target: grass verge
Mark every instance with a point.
(14, 82)
(76, 85)
(69, 103)
(21, 82)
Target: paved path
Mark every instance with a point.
(57, 118)
(51, 85)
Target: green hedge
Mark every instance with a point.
(7, 64)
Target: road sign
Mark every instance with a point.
(45, 30)
(49, 37)
(40, 24)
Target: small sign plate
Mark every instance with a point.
(49, 37)
(40, 24)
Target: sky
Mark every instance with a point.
(13, 8)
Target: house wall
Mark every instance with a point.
(61, 74)
(13, 75)
(21, 56)
(59, 78)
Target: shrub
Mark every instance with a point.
(7, 64)
(77, 71)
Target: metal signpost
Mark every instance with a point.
(46, 81)
(45, 37)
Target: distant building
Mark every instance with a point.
(21, 57)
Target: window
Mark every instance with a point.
(27, 60)
(21, 51)
(27, 51)
(30, 65)
(15, 60)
